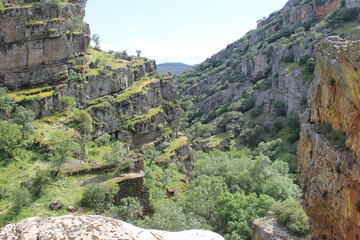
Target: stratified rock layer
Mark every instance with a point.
(36, 44)
(93, 227)
(330, 175)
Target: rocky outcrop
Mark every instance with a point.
(92, 227)
(37, 42)
(267, 228)
(330, 173)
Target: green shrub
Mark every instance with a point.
(291, 215)
(2, 7)
(67, 102)
(280, 108)
(98, 197)
(36, 184)
(56, 4)
(129, 210)
(117, 157)
(21, 197)
(74, 24)
(337, 137)
(83, 122)
(103, 139)
(10, 137)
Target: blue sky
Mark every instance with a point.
(187, 31)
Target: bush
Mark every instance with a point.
(56, 4)
(10, 137)
(280, 108)
(117, 157)
(247, 104)
(128, 211)
(343, 15)
(83, 122)
(291, 215)
(36, 184)
(103, 139)
(67, 102)
(99, 197)
(74, 24)
(2, 7)
(256, 112)
(337, 137)
(21, 197)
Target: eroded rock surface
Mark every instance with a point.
(93, 227)
(36, 44)
(330, 174)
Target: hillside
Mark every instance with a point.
(252, 94)
(174, 68)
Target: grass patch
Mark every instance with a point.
(151, 113)
(30, 94)
(135, 88)
(170, 151)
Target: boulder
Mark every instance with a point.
(92, 227)
(56, 205)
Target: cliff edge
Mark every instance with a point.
(329, 149)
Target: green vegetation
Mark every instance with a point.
(62, 149)
(338, 138)
(96, 39)
(2, 7)
(291, 215)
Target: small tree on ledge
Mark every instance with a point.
(138, 52)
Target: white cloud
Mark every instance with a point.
(134, 30)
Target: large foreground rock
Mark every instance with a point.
(92, 227)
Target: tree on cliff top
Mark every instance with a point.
(96, 39)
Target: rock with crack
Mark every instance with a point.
(93, 227)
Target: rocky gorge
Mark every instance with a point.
(301, 64)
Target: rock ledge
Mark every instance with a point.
(92, 227)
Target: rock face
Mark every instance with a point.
(92, 227)
(267, 228)
(329, 174)
(36, 44)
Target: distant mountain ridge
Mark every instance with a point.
(175, 68)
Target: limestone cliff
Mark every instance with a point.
(92, 227)
(37, 42)
(330, 173)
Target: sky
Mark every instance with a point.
(187, 31)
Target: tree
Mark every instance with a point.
(83, 122)
(10, 137)
(117, 157)
(237, 212)
(138, 52)
(62, 148)
(25, 119)
(6, 102)
(96, 39)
